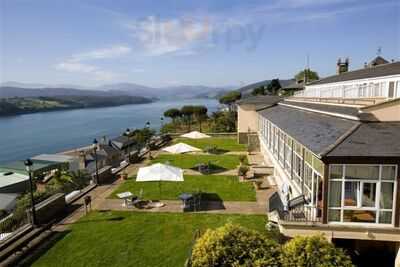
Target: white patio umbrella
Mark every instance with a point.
(160, 172)
(180, 148)
(195, 135)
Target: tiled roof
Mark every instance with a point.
(329, 108)
(378, 71)
(377, 139)
(315, 131)
(260, 101)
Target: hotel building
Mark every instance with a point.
(335, 149)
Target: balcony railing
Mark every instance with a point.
(303, 214)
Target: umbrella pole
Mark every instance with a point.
(159, 187)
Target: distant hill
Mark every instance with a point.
(117, 89)
(7, 91)
(22, 105)
(248, 88)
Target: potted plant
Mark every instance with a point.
(124, 176)
(258, 184)
(242, 159)
(243, 169)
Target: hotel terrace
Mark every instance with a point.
(335, 149)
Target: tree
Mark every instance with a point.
(258, 91)
(142, 136)
(313, 251)
(173, 113)
(233, 245)
(223, 122)
(274, 86)
(200, 113)
(230, 98)
(308, 74)
(187, 113)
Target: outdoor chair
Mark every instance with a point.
(197, 201)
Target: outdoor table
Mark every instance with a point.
(185, 197)
(125, 196)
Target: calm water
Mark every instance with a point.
(50, 132)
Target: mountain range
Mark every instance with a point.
(16, 89)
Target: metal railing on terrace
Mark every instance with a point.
(11, 223)
(302, 214)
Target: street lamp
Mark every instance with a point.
(95, 158)
(128, 134)
(28, 165)
(147, 126)
(162, 121)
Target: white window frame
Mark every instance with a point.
(377, 208)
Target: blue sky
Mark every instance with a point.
(171, 42)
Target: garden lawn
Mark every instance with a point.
(225, 144)
(189, 161)
(214, 187)
(138, 239)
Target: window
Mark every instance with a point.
(362, 193)
(351, 191)
(362, 172)
(368, 197)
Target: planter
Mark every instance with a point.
(258, 184)
(124, 176)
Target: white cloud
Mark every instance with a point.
(75, 67)
(111, 52)
(77, 63)
(159, 37)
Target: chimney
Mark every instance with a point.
(342, 67)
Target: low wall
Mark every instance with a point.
(105, 175)
(50, 208)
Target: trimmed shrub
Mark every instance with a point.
(313, 251)
(233, 245)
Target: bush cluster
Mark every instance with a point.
(235, 246)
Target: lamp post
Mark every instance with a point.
(95, 158)
(147, 126)
(28, 165)
(162, 122)
(127, 134)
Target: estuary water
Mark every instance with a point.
(28, 135)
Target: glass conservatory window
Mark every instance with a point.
(362, 193)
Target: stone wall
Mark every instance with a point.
(50, 208)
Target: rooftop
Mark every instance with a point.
(370, 72)
(10, 178)
(375, 139)
(54, 158)
(339, 110)
(318, 132)
(260, 102)
(38, 165)
(326, 131)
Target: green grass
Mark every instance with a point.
(136, 239)
(189, 161)
(227, 144)
(227, 188)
